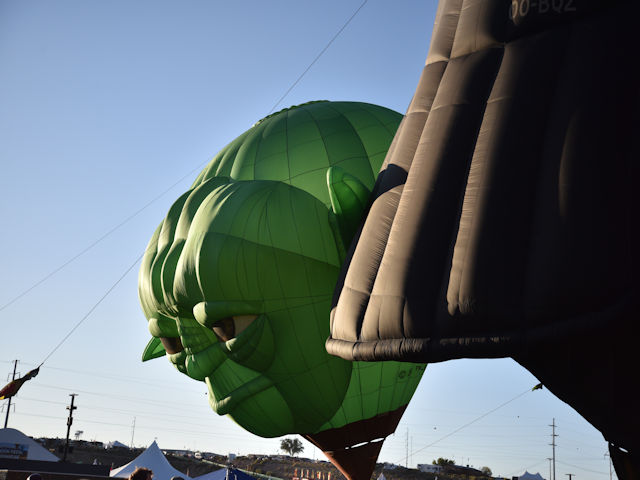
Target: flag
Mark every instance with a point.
(12, 387)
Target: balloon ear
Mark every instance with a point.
(154, 349)
(349, 198)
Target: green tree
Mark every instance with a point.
(486, 471)
(292, 446)
(443, 461)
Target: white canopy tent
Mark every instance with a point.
(153, 459)
(15, 444)
(530, 476)
(117, 444)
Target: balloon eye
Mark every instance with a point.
(225, 329)
(230, 327)
(172, 344)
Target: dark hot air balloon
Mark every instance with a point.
(504, 222)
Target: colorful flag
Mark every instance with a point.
(12, 387)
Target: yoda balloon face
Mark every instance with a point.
(237, 281)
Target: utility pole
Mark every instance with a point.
(553, 445)
(71, 408)
(6, 418)
(406, 446)
(570, 475)
(549, 458)
(610, 472)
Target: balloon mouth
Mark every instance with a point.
(226, 404)
(354, 447)
(252, 350)
(231, 326)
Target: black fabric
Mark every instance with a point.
(504, 222)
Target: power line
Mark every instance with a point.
(317, 57)
(206, 434)
(471, 422)
(148, 401)
(146, 414)
(93, 308)
(581, 468)
(154, 427)
(155, 420)
(120, 378)
(100, 239)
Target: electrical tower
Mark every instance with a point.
(133, 430)
(553, 446)
(406, 446)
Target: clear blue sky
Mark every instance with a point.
(104, 106)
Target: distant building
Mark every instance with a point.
(430, 468)
(209, 455)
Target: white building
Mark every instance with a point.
(429, 468)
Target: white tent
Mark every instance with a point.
(15, 444)
(117, 444)
(153, 459)
(530, 476)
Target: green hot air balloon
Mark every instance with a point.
(237, 281)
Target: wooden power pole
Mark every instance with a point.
(71, 408)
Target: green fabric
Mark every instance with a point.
(243, 268)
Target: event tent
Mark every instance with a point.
(151, 458)
(15, 444)
(530, 476)
(116, 444)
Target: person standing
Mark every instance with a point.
(141, 473)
